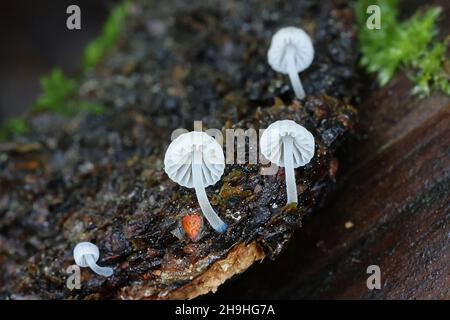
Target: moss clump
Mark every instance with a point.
(57, 89)
(58, 95)
(103, 43)
(430, 70)
(409, 45)
(15, 125)
(59, 92)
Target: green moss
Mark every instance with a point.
(108, 37)
(94, 108)
(57, 90)
(430, 70)
(15, 125)
(408, 45)
(59, 96)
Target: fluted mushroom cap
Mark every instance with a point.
(303, 142)
(81, 250)
(178, 160)
(290, 37)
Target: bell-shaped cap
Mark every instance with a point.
(178, 160)
(290, 40)
(272, 142)
(82, 249)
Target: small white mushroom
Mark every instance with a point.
(196, 160)
(289, 145)
(86, 254)
(291, 51)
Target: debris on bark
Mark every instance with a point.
(101, 179)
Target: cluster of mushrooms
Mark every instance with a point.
(196, 160)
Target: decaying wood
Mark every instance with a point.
(237, 261)
(101, 178)
(391, 209)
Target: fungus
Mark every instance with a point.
(289, 145)
(86, 254)
(290, 52)
(195, 160)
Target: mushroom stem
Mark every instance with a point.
(209, 213)
(288, 155)
(293, 74)
(102, 271)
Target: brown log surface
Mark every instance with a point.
(101, 178)
(394, 198)
(391, 208)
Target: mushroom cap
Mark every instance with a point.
(271, 142)
(290, 37)
(178, 160)
(82, 249)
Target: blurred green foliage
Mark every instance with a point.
(58, 95)
(59, 91)
(409, 45)
(15, 125)
(103, 43)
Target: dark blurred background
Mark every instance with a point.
(35, 39)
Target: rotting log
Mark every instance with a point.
(101, 179)
(391, 209)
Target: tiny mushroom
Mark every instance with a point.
(86, 254)
(291, 51)
(289, 145)
(196, 160)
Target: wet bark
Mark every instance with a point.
(101, 179)
(391, 209)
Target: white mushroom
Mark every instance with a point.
(86, 254)
(289, 145)
(195, 160)
(291, 51)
